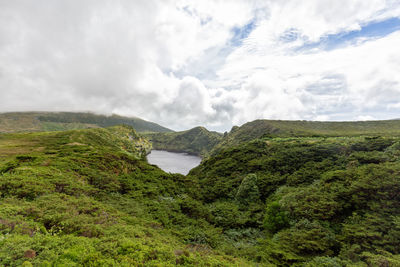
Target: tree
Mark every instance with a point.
(275, 218)
(248, 190)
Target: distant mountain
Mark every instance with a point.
(197, 141)
(280, 128)
(59, 121)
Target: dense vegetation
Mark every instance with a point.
(308, 201)
(88, 197)
(276, 128)
(61, 121)
(265, 197)
(198, 141)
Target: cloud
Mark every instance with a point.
(187, 63)
(338, 84)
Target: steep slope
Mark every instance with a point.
(198, 141)
(89, 198)
(309, 201)
(277, 128)
(60, 121)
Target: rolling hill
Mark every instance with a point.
(60, 121)
(281, 128)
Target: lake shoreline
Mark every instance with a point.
(173, 162)
(178, 151)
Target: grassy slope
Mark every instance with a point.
(60, 121)
(87, 197)
(198, 141)
(277, 128)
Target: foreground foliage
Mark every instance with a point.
(321, 201)
(266, 198)
(89, 197)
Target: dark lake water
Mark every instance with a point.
(173, 162)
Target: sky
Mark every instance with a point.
(213, 63)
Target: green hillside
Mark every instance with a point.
(267, 196)
(89, 198)
(307, 201)
(198, 141)
(61, 121)
(280, 128)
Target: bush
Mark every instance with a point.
(275, 218)
(248, 191)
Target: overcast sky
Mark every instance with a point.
(203, 62)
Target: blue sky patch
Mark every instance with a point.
(372, 30)
(239, 34)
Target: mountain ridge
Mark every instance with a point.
(197, 141)
(287, 128)
(59, 121)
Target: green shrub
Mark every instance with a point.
(248, 192)
(275, 218)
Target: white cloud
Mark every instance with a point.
(365, 118)
(341, 82)
(175, 62)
